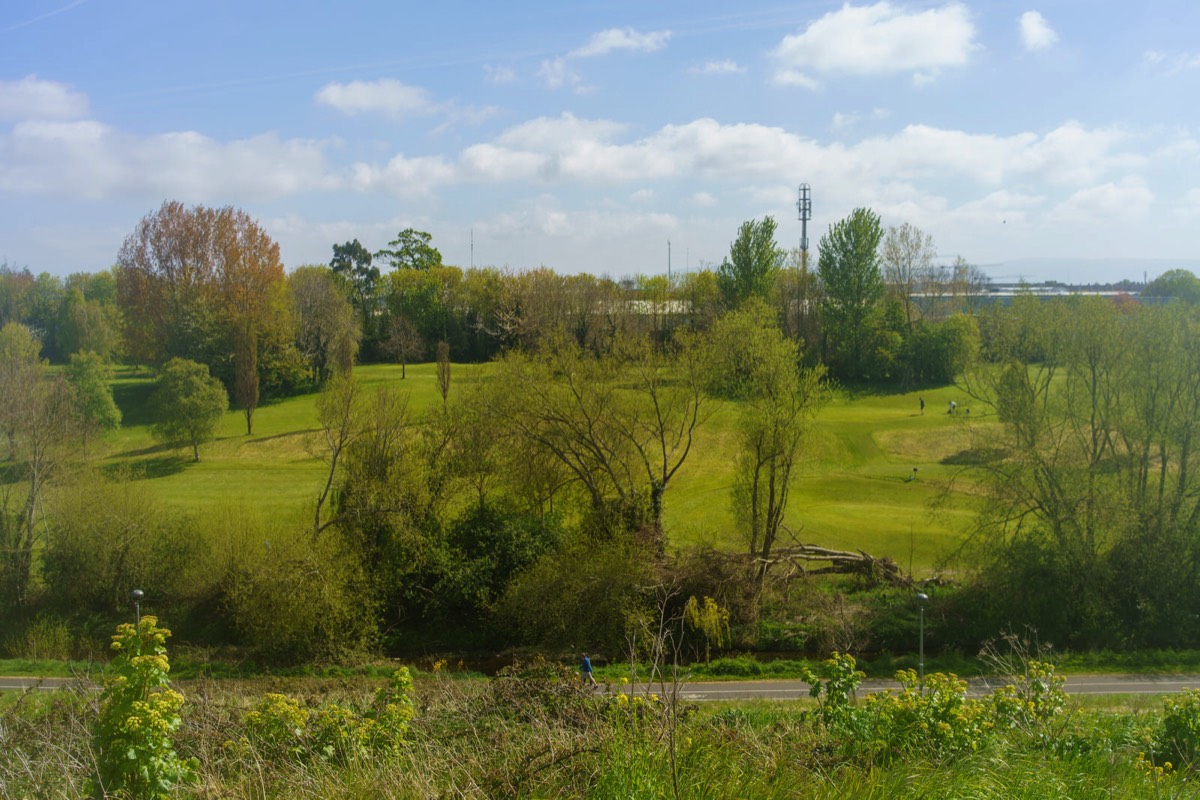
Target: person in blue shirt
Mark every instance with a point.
(586, 669)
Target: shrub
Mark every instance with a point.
(135, 756)
(1178, 738)
(296, 598)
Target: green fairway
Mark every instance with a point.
(855, 490)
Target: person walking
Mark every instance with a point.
(922, 406)
(586, 669)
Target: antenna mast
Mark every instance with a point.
(804, 206)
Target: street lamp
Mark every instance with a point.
(922, 599)
(136, 596)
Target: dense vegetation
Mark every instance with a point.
(629, 454)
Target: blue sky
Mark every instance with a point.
(585, 136)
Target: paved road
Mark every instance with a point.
(795, 690)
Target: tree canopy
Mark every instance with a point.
(753, 261)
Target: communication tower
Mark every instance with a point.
(804, 206)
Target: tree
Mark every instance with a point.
(89, 376)
(907, 256)
(197, 283)
(797, 299)
(1093, 477)
(848, 265)
(1178, 283)
(248, 267)
(353, 261)
(38, 418)
(411, 249)
(188, 403)
(621, 425)
(403, 343)
(326, 333)
(749, 360)
(754, 259)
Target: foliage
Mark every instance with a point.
(328, 336)
(139, 714)
(89, 375)
(294, 599)
(1179, 284)
(1177, 739)
(753, 262)
(930, 717)
(709, 620)
(188, 404)
(278, 727)
(352, 261)
(1089, 528)
(112, 534)
(592, 588)
(411, 249)
(849, 268)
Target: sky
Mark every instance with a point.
(1038, 139)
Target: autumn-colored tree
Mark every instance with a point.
(196, 283)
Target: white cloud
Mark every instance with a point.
(841, 120)
(703, 200)
(875, 40)
(499, 75)
(1172, 64)
(403, 176)
(612, 39)
(89, 159)
(792, 77)
(1130, 198)
(385, 96)
(32, 98)
(724, 67)
(1036, 33)
(556, 73)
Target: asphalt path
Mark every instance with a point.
(700, 691)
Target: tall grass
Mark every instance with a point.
(545, 735)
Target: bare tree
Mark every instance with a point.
(907, 254)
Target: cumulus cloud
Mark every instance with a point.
(385, 96)
(33, 98)
(874, 40)
(1036, 33)
(612, 39)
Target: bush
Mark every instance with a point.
(579, 597)
(296, 598)
(278, 727)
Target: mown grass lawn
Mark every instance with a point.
(855, 490)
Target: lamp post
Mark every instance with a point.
(136, 596)
(922, 599)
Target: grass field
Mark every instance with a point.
(854, 491)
